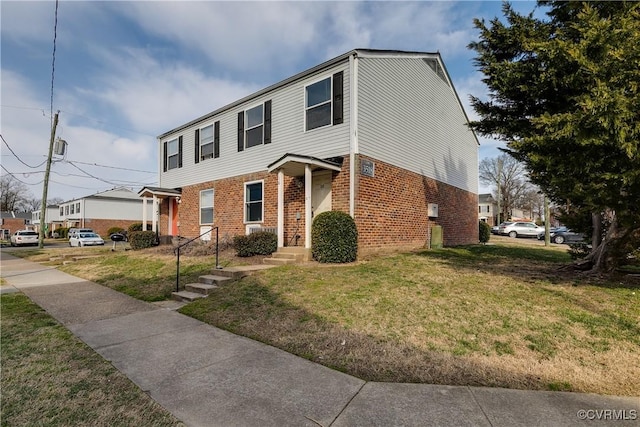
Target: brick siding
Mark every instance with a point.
(390, 210)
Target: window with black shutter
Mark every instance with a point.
(216, 139)
(324, 104)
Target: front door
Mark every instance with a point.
(173, 216)
(321, 192)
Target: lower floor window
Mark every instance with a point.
(253, 201)
(206, 207)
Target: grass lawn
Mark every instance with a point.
(50, 378)
(503, 315)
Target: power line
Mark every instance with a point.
(18, 179)
(19, 159)
(109, 167)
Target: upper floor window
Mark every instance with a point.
(206, 207)
(254, 119)
(78, 207)
(172, 158)
(253, 195)
(66, 210)
(323, 102)
(318, 104)
(61, 211)
(172, 154)
(206, 142)
(73, 208)
(254, 126)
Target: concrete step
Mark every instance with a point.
(293, 250)
(284, 255)
(213, 279)
(279, 261)
(186, 296)
(231, 272)
(199, 288)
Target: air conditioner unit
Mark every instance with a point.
(432, 210)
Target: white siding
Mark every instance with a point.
(408, 116)
(115, 209)
(287, 136)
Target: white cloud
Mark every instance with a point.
(236, 35)
(154, 98)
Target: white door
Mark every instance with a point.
(321, 193)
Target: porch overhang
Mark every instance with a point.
(159, 193)
(296, 164)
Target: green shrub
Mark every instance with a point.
(334, 237)
(258, 243)
(142, 239)
(263, 242)
(115, 230)
(63, 232)
(484, 231)
(137, 226)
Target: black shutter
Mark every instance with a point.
(241, 131)
(180, 151)
(197, 144)
(338, 108)
(267, 122)
(216, 139)
(164, 156)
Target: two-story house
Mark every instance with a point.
(118, 207)
(51, 222)
(487, 209)
(381, 135)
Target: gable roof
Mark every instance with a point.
(114, 193)
(441, 71)
(485, 198)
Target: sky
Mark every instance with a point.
(127, 71)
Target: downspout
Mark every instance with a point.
(353, 126)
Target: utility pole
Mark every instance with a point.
(499, 188)
(547, 218)
(45, 187)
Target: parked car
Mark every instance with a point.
(24, 237)
(496, 228)
(521, 229)
(74, 231)
(561, 235)
(85, 239)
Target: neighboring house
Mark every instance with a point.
(119, 207)
(381, 135)
(14, 221)
(487, 209)
(52, 219)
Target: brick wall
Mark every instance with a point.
(14, 224)
(228, 206)
(391, 209)
(101, 226)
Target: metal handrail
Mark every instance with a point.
(176, 251)
(295, 234)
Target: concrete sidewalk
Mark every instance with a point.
(209, 377)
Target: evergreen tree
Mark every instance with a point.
(564, 94)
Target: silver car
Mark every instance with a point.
(521, 229)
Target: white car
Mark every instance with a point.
(24, 237)
(521, 229)
(85, 239)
